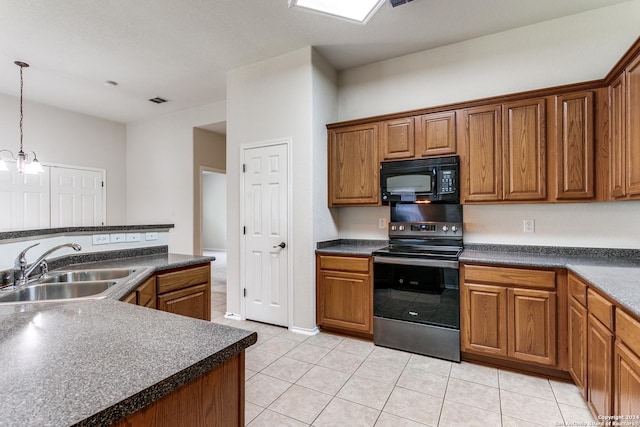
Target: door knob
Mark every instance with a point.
(282, 245)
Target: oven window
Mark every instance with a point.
(417, 183)
(417, 294)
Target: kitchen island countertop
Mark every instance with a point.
(92, 362)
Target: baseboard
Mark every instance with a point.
(214, 250)
(305, 331)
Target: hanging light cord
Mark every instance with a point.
(21, 115)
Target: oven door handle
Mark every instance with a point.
(437, 263)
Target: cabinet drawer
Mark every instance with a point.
(628, 330)
(147, 291)
(578, 289)
(182, 279)
(520, 277)
(342, 263)
(600, 308)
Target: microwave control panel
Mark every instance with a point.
(447, 180)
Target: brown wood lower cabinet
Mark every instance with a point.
(577, 323)
(599, 366)
(185, 291)
(626, 364)
(214, 399)
(503, 314)
(345, 294)
(144, 295)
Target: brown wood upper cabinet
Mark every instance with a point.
(432, 134)
(574, 146)
(398, 139)
(525, 159)
(354, 166)
(436, 134)
(624, 100)
(504, 152)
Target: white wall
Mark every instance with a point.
(62, 137)
(214, 210)
(160, 171)
(572, 49)
(324, 103)
(269, 101)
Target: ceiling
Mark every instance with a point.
(181, 50)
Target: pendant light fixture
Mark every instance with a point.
(24, 163)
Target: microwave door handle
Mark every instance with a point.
(434, 181)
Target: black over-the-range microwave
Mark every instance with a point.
(432, 179)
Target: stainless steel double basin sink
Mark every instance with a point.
(71, 285)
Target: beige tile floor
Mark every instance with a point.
(332, 380)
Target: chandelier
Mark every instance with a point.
(24, 162)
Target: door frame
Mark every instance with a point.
(198, 223)
(290, 245)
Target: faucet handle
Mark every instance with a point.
(22, 257)
(44, 267)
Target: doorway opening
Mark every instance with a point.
(210, 207)
(214, 226)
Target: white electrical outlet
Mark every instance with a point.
(100, 239)
(382, 223)
(151, 236)
(528, 225)
(133, 237)
(118, 238)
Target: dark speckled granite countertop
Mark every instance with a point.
(615, 272)
(350, 247)
(92, 362)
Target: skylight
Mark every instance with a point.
(353, 10)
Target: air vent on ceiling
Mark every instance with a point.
(158, 100)
(395, 3)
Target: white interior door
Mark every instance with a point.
(24, 200)
(266, 281)
(76, 197)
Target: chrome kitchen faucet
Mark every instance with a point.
(21, 271)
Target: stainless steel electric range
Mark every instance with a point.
(416, 281)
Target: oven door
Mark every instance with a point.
(417, 290)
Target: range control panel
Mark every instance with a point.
(420, 229)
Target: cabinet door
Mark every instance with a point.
(346, 301)
(627, 381)
(617, 135)
(483, 316)
(354, 166)
(131, 298)
(599, 366)
(577, 325)
(524, 176)
(632, 128)
(194, 301)
(482, 154)
(436, 134)
(532, 325)
(398, 139)
(574, 146)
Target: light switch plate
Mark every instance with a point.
(100, 239)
